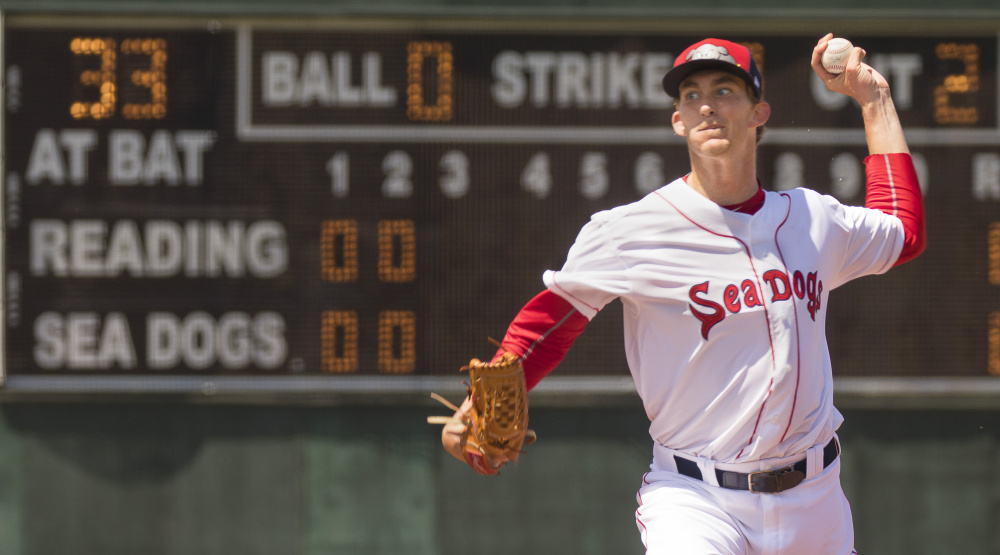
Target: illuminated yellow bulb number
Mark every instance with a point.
(339, 341)
(338, 245)
(397, 342)
(957, 84)
(417, 107)
(105, 77)
(397, 329)
(154, 78)
(397, 251)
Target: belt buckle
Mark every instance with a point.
(771, 480)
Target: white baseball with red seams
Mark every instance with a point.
(835, 56)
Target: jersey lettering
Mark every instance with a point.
(778, 281)
(750, 294)
(731, 298)
(707, 319)
(814, 288)
(803, 286)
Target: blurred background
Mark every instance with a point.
(244, 242)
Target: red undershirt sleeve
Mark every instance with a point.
(542, 333)
(893, 188)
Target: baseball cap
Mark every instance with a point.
(715, 54)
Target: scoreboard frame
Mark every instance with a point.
(254, 125)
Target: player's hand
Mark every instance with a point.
(451, 436)
(859, 81)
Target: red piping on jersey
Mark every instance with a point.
(767, 315)
(795, 313)
(760, 413)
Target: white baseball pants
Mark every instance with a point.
(678, 514)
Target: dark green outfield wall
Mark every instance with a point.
(153, 479)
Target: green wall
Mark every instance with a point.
(152, 479)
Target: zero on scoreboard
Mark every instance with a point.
(225, 199)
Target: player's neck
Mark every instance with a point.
(724, 183)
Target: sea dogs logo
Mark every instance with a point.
(716, 305)
(710, 52)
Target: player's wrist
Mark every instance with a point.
(878, 99)
(882, 127)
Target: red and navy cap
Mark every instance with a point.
(715, 54)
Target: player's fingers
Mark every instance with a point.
(817, 59)
(823, 74)
(821, 45)
(455, 427)
(862, 79)
(451, 438)
(854, 60)
(818, 50)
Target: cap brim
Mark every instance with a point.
(672, 80)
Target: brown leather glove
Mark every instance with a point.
(496, 422)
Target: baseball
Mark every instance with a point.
(836, 54)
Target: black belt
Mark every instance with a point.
(767, 481)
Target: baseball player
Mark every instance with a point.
(725, 289)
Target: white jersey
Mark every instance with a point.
(725, 312)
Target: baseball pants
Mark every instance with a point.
(681, 514)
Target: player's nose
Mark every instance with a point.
(707, 110)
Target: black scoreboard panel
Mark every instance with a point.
(233, 200)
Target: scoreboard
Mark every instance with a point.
(201, 199)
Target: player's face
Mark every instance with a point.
(715, 112)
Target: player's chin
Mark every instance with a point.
(715, 146)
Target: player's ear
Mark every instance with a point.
(678, 125)
(761, 113)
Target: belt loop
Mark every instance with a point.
(814, 461)
(708, 472)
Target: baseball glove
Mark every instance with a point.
(496, 424)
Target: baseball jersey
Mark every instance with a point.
(724, 312)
